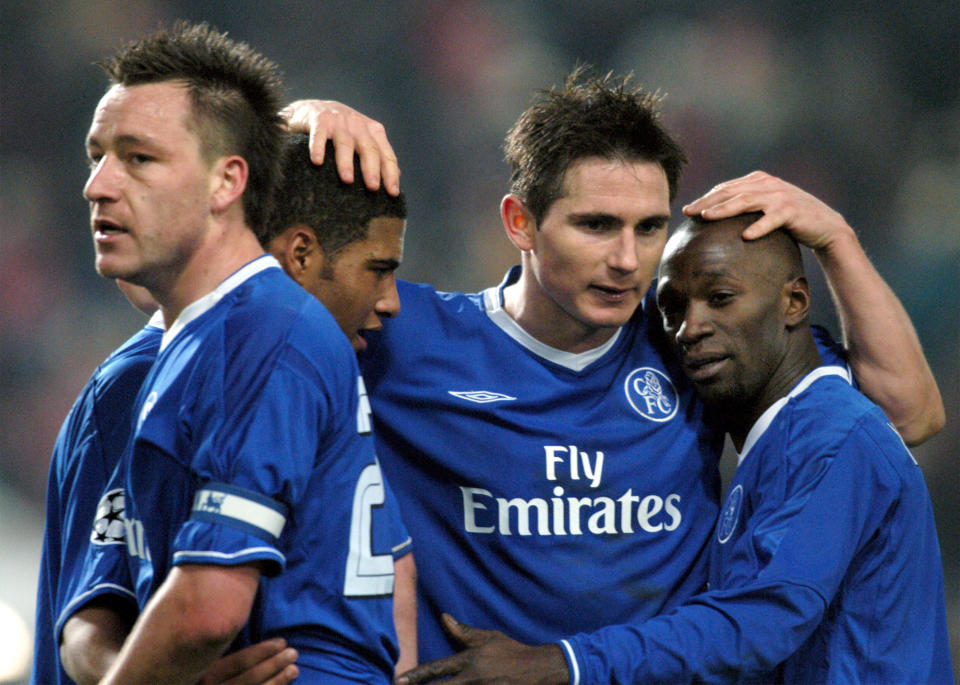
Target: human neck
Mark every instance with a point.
(548, 322)
(225, 249)
(800, 360)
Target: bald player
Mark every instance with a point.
(824, 565)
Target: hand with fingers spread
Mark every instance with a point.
(882, 346)
(809, 220)
(351, 132)
(491, 657)
(269, 662)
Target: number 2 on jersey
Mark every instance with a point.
(367, 574)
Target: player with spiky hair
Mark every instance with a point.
(251, 486)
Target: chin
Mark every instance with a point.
(714, 391)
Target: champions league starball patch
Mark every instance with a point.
(108, 528)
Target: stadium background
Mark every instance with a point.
(857, 102)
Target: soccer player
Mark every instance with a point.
(824, 565)
(87, 451)
(250, 480)
(540, 434)
(343, 242)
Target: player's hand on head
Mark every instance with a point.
(490, 656)
(811, 221)
(269, 662)
(351, 132)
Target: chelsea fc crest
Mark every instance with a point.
(730, 515)
(651, 394)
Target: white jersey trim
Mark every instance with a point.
(575, 361)
(81, 599)
(197, 556)
(767, 417)
(572, 659)
(156, 321)
(205, 303)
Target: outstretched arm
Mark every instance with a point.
(351, 132)
(882, 345)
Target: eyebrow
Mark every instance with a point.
(384, 263)
(596, 216)
(656, 219)
(608, 218)
(121, 141)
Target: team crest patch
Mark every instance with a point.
(108, 526)
(730, 515)
(652, 394)
(481, 396)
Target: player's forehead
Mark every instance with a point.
(600, 184)
(708, 253)
(384, 238)
(156, 112)
(695, 249)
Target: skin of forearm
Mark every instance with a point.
(187, 625)
(90, 643)
(405, 611)
(883, 347)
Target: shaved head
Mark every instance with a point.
(776, 254)
(735, 313)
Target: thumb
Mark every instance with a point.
(466, 635)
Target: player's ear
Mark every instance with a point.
(796, 300)
(304, 251)
(518, 222)
(298, 252)
(228, 181)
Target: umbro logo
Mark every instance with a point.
(481, 396)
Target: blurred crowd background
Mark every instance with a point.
(858, 103)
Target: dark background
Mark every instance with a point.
(858, 103)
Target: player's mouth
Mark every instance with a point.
(105, 229)
(359, 341)
(612, 294)
(705, 366)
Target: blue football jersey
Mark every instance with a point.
(86, 451)
(824, 565)
(549, 492)
(253, 443)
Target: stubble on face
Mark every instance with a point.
(148, 183)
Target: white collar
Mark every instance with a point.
(575, 361)
(205, 303)
(156, 321)
(767, 417)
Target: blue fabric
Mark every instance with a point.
(261, 391)
(545, 499)
(86, 451)
(824, 566)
